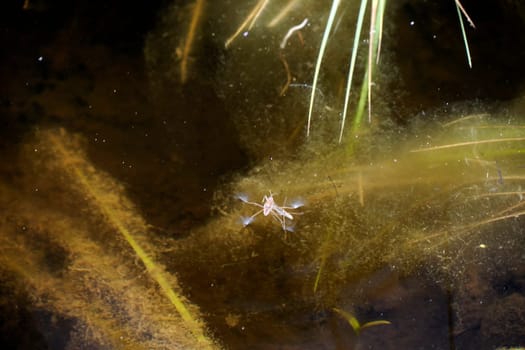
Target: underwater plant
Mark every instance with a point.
(444, 197)
(86, 254)
(433, 194)
(355, 324)
(375, 34)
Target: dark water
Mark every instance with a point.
(80, 65)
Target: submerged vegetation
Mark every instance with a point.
(438, 199)
(90, 265)
(433, 196)
(442, 192)
(274, 14)
(355, 324)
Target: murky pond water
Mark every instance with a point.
(175, 176)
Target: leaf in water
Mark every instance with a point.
(354, 323)
(375, 323)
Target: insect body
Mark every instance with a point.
(269, 207)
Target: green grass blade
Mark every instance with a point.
(464, 34)
(380, 18)
(324, 41)
(318, 276)
(375, 323)
(360, 110)
(371, 50)
(352, 321)
(357, 35)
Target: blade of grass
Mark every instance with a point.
(460, 9)
(373, 13)
(324, 41)
(358, 117)
(376, 29)
(318, 275)
(249, 21)
(284, 12)
(375, 323)
(380, 14)
(354, 323)
(357, 35)
(458, 4)
(376, 35)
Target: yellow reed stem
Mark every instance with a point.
(249, 21)
(197, 13)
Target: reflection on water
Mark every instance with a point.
(120, 183)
